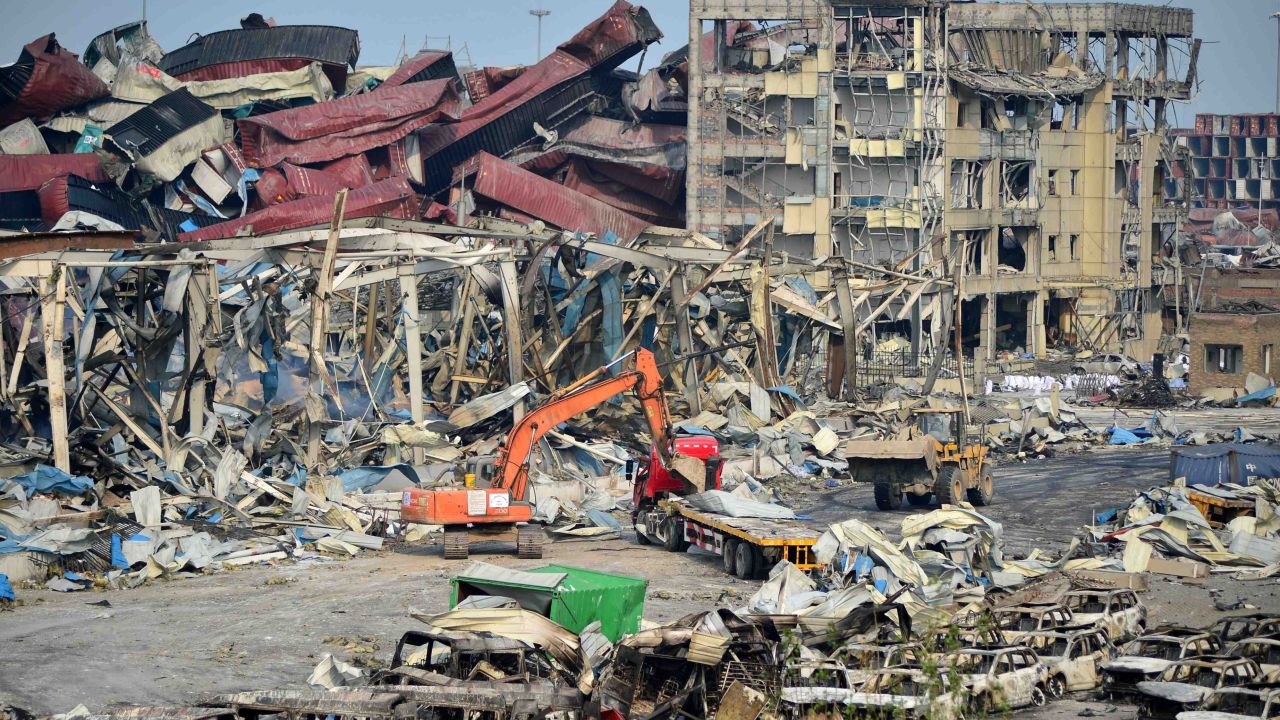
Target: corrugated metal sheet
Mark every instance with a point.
(224, 51)
(289, 182)
(20, 210)
(582, 177)
(29, 172)
(65, 194)
(551, 92)
(649, 157)
(45, 79)
(350, 125)
(429, 65)
(615, 36)
(567, 209)
(394, 198)
(147, 130)
(487, 80)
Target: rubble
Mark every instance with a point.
(256, 294)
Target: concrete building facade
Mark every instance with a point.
(1022, 148)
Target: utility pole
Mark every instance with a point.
(1276, 17)
(539, 14)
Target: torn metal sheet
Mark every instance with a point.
(426, 65)
(169, 134)
(509, 185)
(328, 131)
(557, 87)
(45, 78)
(255, 50)
(141, 82)
(393, 197)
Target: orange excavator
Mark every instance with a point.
(500, 510)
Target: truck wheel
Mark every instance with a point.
(919, 499)
(729, 555)
(948, 487)
(986, 489)
(638, 522)
(888, 496)
(745, 561)
(673, 535)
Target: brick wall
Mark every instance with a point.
(1250, 332)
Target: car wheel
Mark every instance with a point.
(1038, 697)
(1057, 687)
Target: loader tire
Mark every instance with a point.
(949, 487)
(888, 496)
(456, 544)
(529, 542)
(986, 489)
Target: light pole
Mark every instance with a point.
(1276, 17)
(541, 14)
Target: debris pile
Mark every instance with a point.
(1189, 531)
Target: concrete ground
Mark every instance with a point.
(265, 627)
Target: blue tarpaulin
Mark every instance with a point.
(46, 479)
(1263, 394)
(362, 478)
(6, 590)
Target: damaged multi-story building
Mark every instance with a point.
(1021, 148)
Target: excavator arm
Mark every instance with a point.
(512, 471)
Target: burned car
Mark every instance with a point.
(998, 678)
(1074, 656)
(886, 693)
(1263, 650)
(1119, 612)
(1238, 627)
(1238, 703)
(1148, 656)
(1018, 620)
(421, 654)
(1186, 684)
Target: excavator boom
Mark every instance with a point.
(502, 505)
(512, 470)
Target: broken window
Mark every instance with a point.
(1075, 178)
(1051, 247)
(1075, 115)
(1015, 183)
(1053, 182)
(1074, 249)
(1011, 253)
(1223, 358)
(966, 183)
(1056, 115)
(960, 119)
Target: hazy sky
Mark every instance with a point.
(1237, 63)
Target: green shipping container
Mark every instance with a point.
(572, 597)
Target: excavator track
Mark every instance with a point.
(457, 544)
(529, 542)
